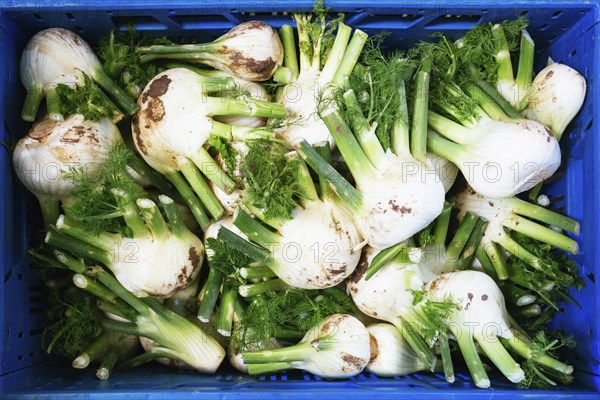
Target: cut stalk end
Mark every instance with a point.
(103, 373)
(81, 361)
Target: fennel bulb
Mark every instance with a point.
(556, 97)
(388, 285)
(154, 351)
(508, 214)
(325, 258)
(391, 355)
(499, 152)
(311, 78)
(319, 261)
(252, 51)
(175, 337)
(43, 158)
(159, 259)
(174, 123)
(481, 317)
(398, 192)
(388, 295)
(498, 159)
(395, 197)
(55, 56)
(338, 347)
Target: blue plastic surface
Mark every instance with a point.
(566, 31)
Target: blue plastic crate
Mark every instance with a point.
(566, 31)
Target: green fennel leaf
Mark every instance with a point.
(271, 178)
(437, 314)
(445, 90)
(418, 296)
(88, 100)
(224, 257)
(320, 33)
(376, 82)
(425, 236)
(480, 47)
(546, 344)
(295, 310)
(92, 202)
(76, 322)
(122, 63)
(227, 152)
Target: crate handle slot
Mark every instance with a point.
(188, 22)
(140, 23)
(385, 21)
(454, 22)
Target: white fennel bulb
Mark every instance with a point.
(173, 335)
(498, 159)
(157, 267)
(338, 347)
(401, 198)
(445, 169)
(174, 123)
(397, 189)
(159, 259)
(310, 79)
(481, 315)
(322, 259)
(388, 295)
(557, 94)
(44, 157)
(396, 195)
(252, 50)
(153, 348)
(391, 355)
(514, 214)
(55, 56)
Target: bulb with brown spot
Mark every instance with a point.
(391, 355)
(252, 51)
(50, 149)
(387, 295)
(557, 95)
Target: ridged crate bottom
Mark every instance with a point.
(160, 383)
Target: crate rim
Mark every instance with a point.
(8, 6)
(279, 6)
